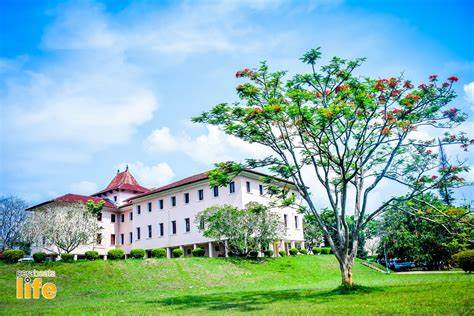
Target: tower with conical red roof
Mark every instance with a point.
(122, 186)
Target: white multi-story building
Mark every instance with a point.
(136, 217)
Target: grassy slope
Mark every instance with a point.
(304, 284)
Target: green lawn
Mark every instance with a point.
(291, 285)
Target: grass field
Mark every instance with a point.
(291, 285)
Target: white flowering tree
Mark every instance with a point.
(62, 227)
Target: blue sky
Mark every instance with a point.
(87, 87)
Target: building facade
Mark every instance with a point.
(165, 217)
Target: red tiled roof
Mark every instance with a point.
(71, 198)
(193, 179)
(124, 181)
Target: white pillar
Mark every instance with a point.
(195, 246)
(211, 250)
(168, 252)
(105, 257)
(226, 248)
(302, 245)
(292, 244)
(75, 257)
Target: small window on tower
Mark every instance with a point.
(115, 198)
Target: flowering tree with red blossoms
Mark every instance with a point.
(347, 133)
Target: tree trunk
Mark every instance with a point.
(346, 273)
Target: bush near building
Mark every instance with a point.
(268, 253)
(294, 251)
(115, 254)
(198, 252)
(158, 253)
(39, 257)
(326, 250)
(178, 252)
(316, 250)
(282, 253)
(137, 253)
(12, 256)
(91, 255)
(67, 257)
(303, 251)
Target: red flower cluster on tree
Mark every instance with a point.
(429, 152)
(453, 78)
(433, 77)
(393, 82)
(245, 73)
(434, 177)
(341, 87)
(394, 93)
(380, 84)
(408, 85)
(396, 111)
(445, 84)
(451, 113)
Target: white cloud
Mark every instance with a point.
(209, 148)
(469, 92)
(84, 187)
(150, 176)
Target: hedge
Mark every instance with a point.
(67, 257)
(178, 252)
(293, 251)
(303, 251)
(326, 250)
(316, 250)
(282, 253)
(253, 254)
(12, 256)
(39, 257)
(114, 254)
(465, 260)
(137, 253)
(91, 255)
(268, 253)
(198, 252)
(158, 253)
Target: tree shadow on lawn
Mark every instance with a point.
(257, 300)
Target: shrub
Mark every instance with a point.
(178, 252)
(316, 250)
(198, 252)
(268, 253)
(12, 256)
(465, 260)
(282, 253)
(158, 253)
(303, 251)
(293, 251)
(137, 253)
(326, 250)
(67, 257)
(39, 257)
(91, 255)
(114, 254)
(253, 254)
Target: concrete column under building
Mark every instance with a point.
(168, 252)
(211, 250)
(195, 246)
(293, 245)
(226, 248)
(302, 245)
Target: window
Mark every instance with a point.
(173, 201)
(138, 233)
(122, 217)
(162, 229)
(122, 239)
(112, 239)
(131, 237)
(188, 224)
(285, 220)
(248, 186)
(149, 206)
(173, 227)
(186, 198)
(232, 187)
(149, 231)
(201, 195)
(99, 239)
(112, 218)
(216, 191)
(201, 224)
(296, 221)
(260, 189)
(160, 202)
(115, 198)
(139, 209)
(99, 216)
(131, 216)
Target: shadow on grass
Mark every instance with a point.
(257, 300)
